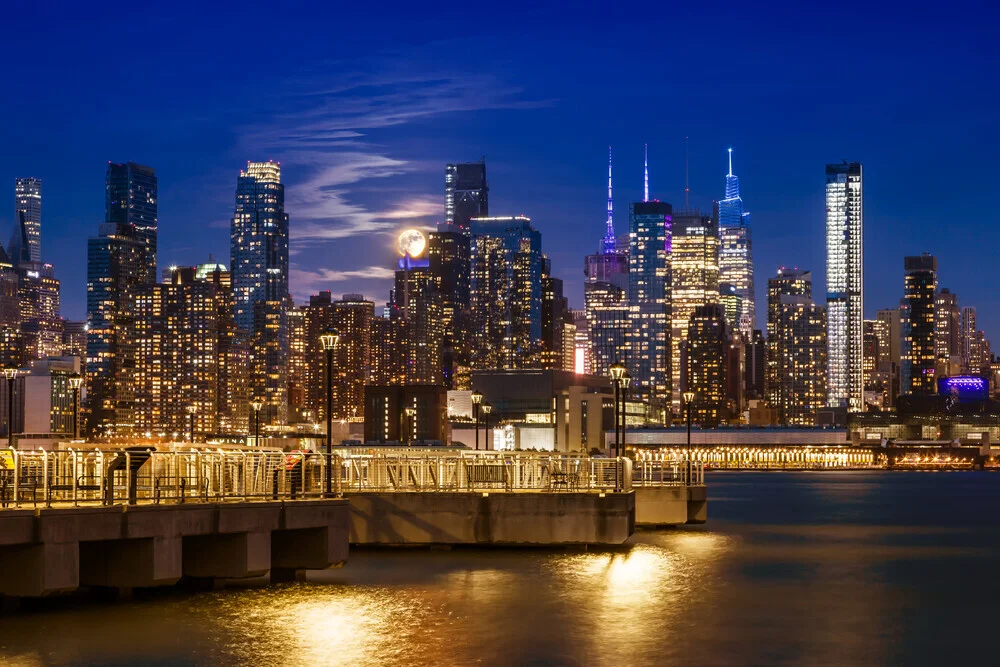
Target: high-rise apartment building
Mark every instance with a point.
(736, 249)
(259, 263)
(506, 292)
(26, 244)
(845, 285)
(417, 306)
(788, 282)
(707, 364)
(448, 256)
(555, 323)
(947, 334)
(800, 329)
(38, 306)
(121, 258)
(694, 270)
(917, 320)
(650, 234)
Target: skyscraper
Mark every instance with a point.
(650, 234)
(788, 282)
(466, 194)
(917, 323)
(259, 262)
(26, 243)
(845, 284)
(448, 255)
(707, 341)
(417, 305)
(801, 343)
(736, 249)
(694, 271)
(506, 292)
(120, 258)
(947, 334)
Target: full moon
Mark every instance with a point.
(411, 242)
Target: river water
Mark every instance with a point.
(814, 568)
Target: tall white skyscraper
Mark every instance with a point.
(736, 250)
(844, 285)
(26, 243)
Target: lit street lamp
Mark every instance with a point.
(487, 409)
(626, 381)
(256, 404)
(76, 381)
(329, 341)
(477, 399)
(410, 414)
(617, 372)
(191, 410)
(11, 375)
(688, 399)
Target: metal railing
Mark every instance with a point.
(33, 478)
(482, 471)
(668, 473)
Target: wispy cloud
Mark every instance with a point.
(310, 281)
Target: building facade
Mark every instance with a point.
(736, 249)
(917, 321)
(801, 343)
(707, 365)
(26, 244)
(787, 282)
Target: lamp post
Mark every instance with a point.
(410, 414)
(477, 399)
(11, 375)
(688, 399)
(626, 381)
(617, 372)
(76, 381)
(487, 409)
(256, 404)
(329, 341)
(191, 409)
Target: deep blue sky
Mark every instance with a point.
(364, 104)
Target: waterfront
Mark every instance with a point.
(793, 568)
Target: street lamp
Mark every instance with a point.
(626, 381)
(329, 341)
(410, 414)
(191, 409)
(477, 399)
(76, 381)
(256, 404)
(487, 409)
(617, 372)
(11, 375)
(688, 399)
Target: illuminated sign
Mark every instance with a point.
(965, 388)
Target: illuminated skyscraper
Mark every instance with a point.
(259, 258)
(707, 340)
(947, 334)
(26, 244)
(38, 305)
(736, 249)
(506, 292)
(800, 330)
(788, 282)
(466, 194)
(448, 254)
(418, 312)
(694, 270)
(650, 233)
(844, 285)
(557, 346)
(121, 258)
(917, 323)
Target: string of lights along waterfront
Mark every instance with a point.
(209, 349)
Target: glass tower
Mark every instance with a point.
(917, 314)
(466, 194)
(259, 262)
(26, 243)
(736, 250)
(844, 285)
(130, 201)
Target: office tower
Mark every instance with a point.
(736, 372)
(307, 359)
(448, 255)
(756, 366)
(788, 282)
(891, 330)
(417, 307)
(736, 249)
(800, 329)
(38, 305)
(694, 271)
(386, 365)
(26, 244)
(844, 284)
(947, 334)
(650, 233)
(299, 364)
(10, 306)
(259, 262)
(130, 202)
(917, 324)
(555, 322)
(974, 347)
(74, 339)
(178, 352)
(732, 305)
(121, 257)
(582, 354)
(876, 334)
(506, 292)
(466, 194)
(707, 342)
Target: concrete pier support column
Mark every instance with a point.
(43, 568)
(131, 563)
(227, 555)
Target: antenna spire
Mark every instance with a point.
(645, 168)
(687, 182)
(608, 244)
(730, 162)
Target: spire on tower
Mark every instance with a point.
(730, 162)
(645, 166)
(608, 244)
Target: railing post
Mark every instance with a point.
(75, 456)
(17, 477)
(46, 492)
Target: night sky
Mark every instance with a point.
(363, 106)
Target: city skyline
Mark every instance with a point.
(361, 189)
